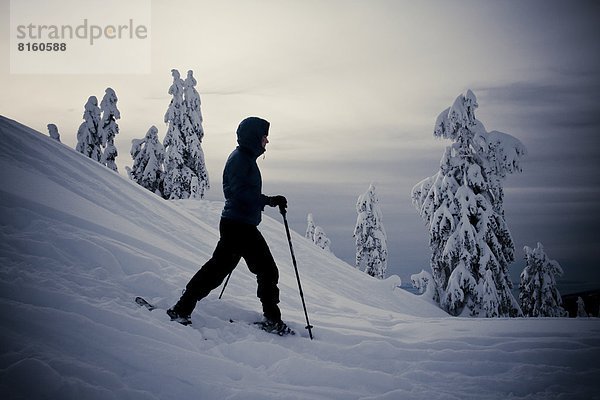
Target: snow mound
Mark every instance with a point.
(78, 242)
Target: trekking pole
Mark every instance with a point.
(225, 285)
(283, 211)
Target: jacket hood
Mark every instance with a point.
(250, 133)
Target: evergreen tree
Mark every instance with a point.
(581, 313)
(316, 234)
(310, 228)
(53, 132)
(148, 157)
(423, 282)
(193, 133)
(110, 113)
(109, 155)
(88, 135)
(369, 234)
(321, 240)
(178, 176)
(539, 296)
(196, 191)
(462, 204)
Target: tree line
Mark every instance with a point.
(173, 169)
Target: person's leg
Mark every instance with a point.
(261, 263)
(224, 260)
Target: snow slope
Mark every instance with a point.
(78, 242)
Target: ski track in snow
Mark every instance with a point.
(79, 242)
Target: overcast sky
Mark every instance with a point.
(352, 90)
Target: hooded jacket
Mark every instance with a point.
(242, 182)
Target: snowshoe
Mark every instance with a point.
(275, 327)
(175, 316)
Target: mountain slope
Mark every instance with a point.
(78, 242)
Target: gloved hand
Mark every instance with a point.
(278, 201)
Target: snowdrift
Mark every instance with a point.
(78, 242)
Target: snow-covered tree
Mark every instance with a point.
(462, 205)
(88, 135)
(581, 313)
(369, 234)
(183, 141)
(321, 239)
(193, 132)
(195, 189)
(310, 228)
(110, 113)
(53, 132)
(109, 155)
(178, 176)
(148, 157)
(539, 296)
(423, 282)
(317, 235)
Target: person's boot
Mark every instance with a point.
(182, 311)
(277, 327)
(271, 312)
(272, 322)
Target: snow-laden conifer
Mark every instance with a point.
(109, 155)
(310, 228)
(321, 239)
(538, 293)
(148, 156)
(193, 133)
(53, 132)
(369, 234)
(178, 176)
(423, 282)
(581, 313)
(196, 191)
(110, 113)
(463, 207)
(316, 234)
(88, 134)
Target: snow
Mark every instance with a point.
(78, 242)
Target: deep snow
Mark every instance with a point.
(78, 242)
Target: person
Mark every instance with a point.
(238, 229)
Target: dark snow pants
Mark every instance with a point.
(238, 240)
